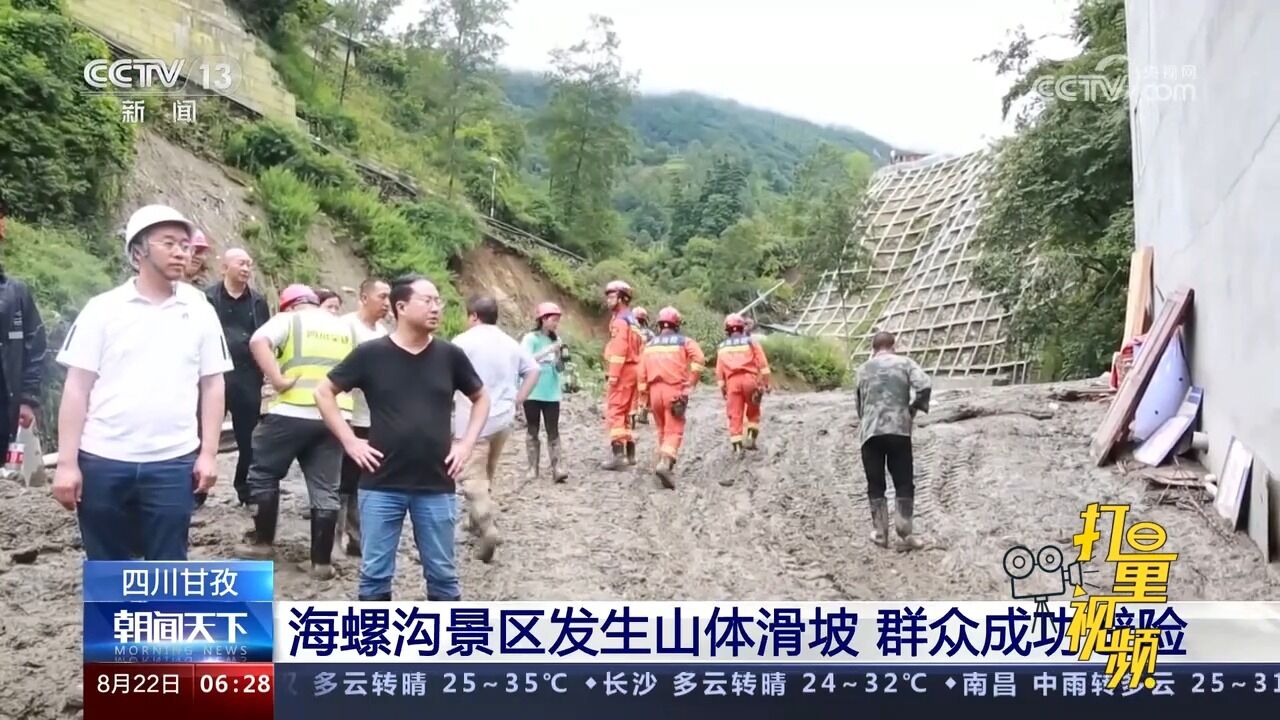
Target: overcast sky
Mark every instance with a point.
(901, 70)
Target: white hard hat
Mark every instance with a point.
(149, 215)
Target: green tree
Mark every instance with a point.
(358, 20)
(62, 151)
(466, 33)
(733, 276)
(1059, 230)
(587, 138)
(273, 19)
(817, 219)
(724, 196)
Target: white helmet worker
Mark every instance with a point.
(150, 216)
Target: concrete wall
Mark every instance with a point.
(172, 29)
(1207, 198)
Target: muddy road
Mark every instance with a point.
(793, 526)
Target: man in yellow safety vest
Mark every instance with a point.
(296, 349)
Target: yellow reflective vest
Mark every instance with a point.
(317, 342)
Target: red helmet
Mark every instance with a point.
(669, 316)
(297, 293)
(734, 321)
(618, 286)
(640, 314)
(545, 309)
(198, 240)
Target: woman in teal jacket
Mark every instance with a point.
(542, 408)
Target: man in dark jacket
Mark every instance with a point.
(22, 353)
(242, 311)
(23, 341)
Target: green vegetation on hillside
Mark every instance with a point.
(1066, 179)
(63, 154)
(698, 226)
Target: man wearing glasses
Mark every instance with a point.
(139, 359)
(410, 461)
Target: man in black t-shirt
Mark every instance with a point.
(410, 461)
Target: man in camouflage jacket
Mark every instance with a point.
(886, 410)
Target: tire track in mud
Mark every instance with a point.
(811, 487)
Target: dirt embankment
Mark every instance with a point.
(995, 467)
(496, 271)
(218, 201)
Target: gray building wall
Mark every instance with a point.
(1207, 198)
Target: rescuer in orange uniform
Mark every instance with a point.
(670, 369)
(742, 372)
(640, 411)
(621, 361)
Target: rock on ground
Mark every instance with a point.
(793, 526)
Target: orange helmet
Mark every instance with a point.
(297, 293)
(669, 316)
(618, 286)
(734, 321)
(640, 314)
(545, 309)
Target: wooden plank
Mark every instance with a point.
(1135, 314)
(1116, 423)
(1233, 482)
(1259, 520)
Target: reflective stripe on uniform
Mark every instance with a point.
(306, 370)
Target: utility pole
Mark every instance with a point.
(493, 185)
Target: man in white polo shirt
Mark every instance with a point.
(140, 359)
(509, 372)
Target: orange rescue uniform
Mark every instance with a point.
(741, 369)
(621, 361)
(669, 369)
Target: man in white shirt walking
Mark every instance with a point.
(366, 321)
(140, 359)
(499, 361)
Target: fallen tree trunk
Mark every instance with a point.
(969, 412)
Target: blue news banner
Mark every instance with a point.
(182, 639)
(402, 660)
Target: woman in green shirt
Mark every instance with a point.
(543, 405)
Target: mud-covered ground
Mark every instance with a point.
(793, 526)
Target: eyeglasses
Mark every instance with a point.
(430, 300)
(172, 245)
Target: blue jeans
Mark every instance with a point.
(130, 510)
(434, 516)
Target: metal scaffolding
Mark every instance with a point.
(917, 230)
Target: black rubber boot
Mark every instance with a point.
(533, 449)
(665, 474)
(617, 460)
(880, 521)
(631, 452)
(752, 435)
(324, 525)
(380, 597)
(265, 519)
(553, 449)
(902, 524)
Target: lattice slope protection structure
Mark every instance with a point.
(917, 230)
